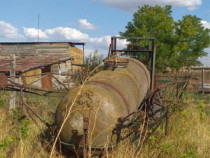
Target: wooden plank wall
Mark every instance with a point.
(45, 50)
(42, 49)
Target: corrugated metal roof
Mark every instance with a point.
(24, 64)
(70, 43)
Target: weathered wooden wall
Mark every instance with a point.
(37, 49)
(32, 76)
(40, 50)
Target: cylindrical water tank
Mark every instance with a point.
(106, 97)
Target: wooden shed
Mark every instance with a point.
(38, 58)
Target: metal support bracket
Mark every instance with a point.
(85, 137)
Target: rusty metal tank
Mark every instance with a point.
(106, 97)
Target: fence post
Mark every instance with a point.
(85, 137)
(12, 77)
(167, 120)
(177, 86)
(202, 83)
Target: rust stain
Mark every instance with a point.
(116, 90)
(24, 64)
(141, 66)
(47, 80)
(3, 81)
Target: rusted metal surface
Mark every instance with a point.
(3, 81)
(115, 62)
(107, 96)
(13, 86)
(17, 43)
(134, 48)
(47, 80)
(60, 82)
(140, 65)
(85, 137)
(24, 64)
(116, 90)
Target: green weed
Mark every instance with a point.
(201, 107)
(167, 148)
(1, 103)
(24, 127)
(189, 154)
(6, 143)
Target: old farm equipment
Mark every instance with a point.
(111, 105)
(106, 97)
(113, 100)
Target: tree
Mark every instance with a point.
(192, 38)
(155, 22)
(175, 41)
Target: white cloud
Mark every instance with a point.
(104, 42)
(71, 34)
(66, 33)
(8, 31)
(122, 43)
(206, 59)
(56, 34)
(205, 24)
(84, 24)
(131, 5)
(100, 42)
(32, 33)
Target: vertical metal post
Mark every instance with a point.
(115, 43)
(85, 137)
(177, 87)
(70, 61)
(150, 44)
(21, 100)
(109, 53)
(68, 69)
(67, 74)
(167, 120)
(153, 66)
(202, 84)
(12, 76)
(83, 51)
(112, 42)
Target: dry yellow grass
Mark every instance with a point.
(20, 138)
(189, 134)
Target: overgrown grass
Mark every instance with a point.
(189, 134)
(19, 136)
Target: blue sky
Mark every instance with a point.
(90, 21)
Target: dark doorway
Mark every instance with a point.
(47, 80)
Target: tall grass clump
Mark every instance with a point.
(19, 136)
(189, 135)
(189, 132)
